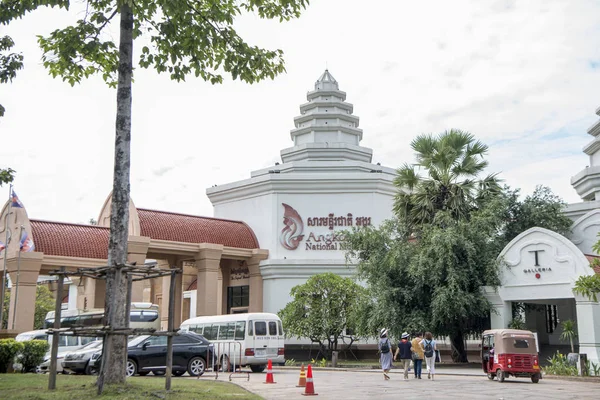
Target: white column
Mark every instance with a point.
(588, 328)
(501, 312)
(73, 294)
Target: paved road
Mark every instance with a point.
(355, 384)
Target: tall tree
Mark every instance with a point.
(451, 162)
(431, 283)
(322, 308)
(183, 37)
(10, 63)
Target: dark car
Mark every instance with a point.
(147, 354)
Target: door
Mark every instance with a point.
(184, 348)
(487, 353)
(266, 339)
(155, 353)
(261, 343)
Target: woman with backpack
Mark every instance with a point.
(385, 350)
(429, 348)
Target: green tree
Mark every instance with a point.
(432, 283)
(6, 175)
(182, 38)
(569, 333)
(542, 208)
(589, 285)
(44, 302)
(452, 162)
(322, 308)
(10, 63)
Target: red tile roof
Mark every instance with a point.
(194, 229)
(70, 240)
(89, 241)
(591, 259)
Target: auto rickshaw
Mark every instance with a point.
(510, 352)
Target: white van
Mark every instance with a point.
(242, 339)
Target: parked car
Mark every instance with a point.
(147, 354)
(78, 361)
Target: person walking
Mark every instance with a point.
(429, 349)
(385, 350)
(405, 353)
(417, 350)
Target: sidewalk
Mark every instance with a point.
(440, 369)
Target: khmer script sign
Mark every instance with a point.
(293, 233)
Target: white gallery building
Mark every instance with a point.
(327, 183)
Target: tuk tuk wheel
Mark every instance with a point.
(535, 378)
(500, 375)
(490, 376)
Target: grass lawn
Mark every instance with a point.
(76, 387)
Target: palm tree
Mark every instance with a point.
(568, 333)
(452, 162)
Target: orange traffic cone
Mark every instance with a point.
(302, 380)
(310, 387)
(270, 372)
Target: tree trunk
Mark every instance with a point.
(115, 346)
(459, 353)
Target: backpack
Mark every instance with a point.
(385, 347)
(428, 349)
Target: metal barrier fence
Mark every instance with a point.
(226, 357)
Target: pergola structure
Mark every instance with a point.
(207, 250)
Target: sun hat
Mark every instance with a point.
(405, 335)
(384, 332)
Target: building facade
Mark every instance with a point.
(326, 183)
(539, 269)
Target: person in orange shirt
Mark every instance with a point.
(418, 355)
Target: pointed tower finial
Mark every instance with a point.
(326, 82)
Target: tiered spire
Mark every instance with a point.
(326, 122)
(587, 182)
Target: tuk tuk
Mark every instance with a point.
(510, 352)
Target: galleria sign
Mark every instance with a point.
(293, 230)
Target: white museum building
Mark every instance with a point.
(327, 183)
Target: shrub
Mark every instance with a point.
(290, 362)
(33, 354)
(8, 350)
(559, 365)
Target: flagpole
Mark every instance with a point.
(17, 281)
(4, 281)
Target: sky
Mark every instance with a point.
(523, 77)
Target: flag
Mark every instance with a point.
(16, 203)
(26, 242)
(2, 245)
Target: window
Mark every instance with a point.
(227, 331)
(197, 328)
(273, 328)
(250, 328)
(237, 296)
(280, 328)
(157, 340)
(551, 318)
(211, 332)
(521, 344)
(143, 316)
(87, 339)
(240, 330)
(261, 328)
(182, 339)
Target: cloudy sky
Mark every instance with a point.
(523, 76)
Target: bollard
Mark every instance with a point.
(334, 359)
